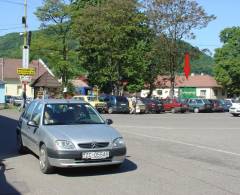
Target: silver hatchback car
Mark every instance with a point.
(68, 133)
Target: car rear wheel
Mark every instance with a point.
(45, 166)
(110, 110)
(196, 110)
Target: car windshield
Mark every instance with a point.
(121, 99)
(92, 98)
(235, 101)
(69, 114)
(199, 101)
(206, 101)
(228, 102)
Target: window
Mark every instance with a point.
(215, 92)
(199, 101)
(223, 92)
(36, 116)
(70, 114)
(192, 102)
(19, 89)
(159, 92)
(203, 93)
(27, 114)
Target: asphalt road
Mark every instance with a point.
(167, 154)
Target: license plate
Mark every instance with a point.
(95, 155)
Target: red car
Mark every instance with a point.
(174, 105)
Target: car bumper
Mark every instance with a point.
(121, 110)
(73, 158)
(78, 163)
(235, 111)
(181, 109)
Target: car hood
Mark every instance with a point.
(83, 133)
(236, 105)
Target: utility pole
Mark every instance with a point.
(25, 56)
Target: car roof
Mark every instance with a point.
(58, 101)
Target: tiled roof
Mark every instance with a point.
(46, 80)
(10, 67)
(192, 81)
(79, 83)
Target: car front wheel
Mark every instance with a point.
(196, 110)
(45, 166)
(110, 110)
(235, 114)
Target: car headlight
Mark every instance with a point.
(65, 145)
(118, 143)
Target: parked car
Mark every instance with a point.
(101, 106)
(151, 105)
(235, 109)
(17, 100)
(116, 104)
(216, 105)
(9, 99)
(68, 133)
(199, 105)
(160, 104)
(174, 105)
(225, 104)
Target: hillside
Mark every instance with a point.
(11, 44)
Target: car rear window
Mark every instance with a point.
(121, 99)
(199, 101)
(206, 101)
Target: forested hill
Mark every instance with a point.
(11, 47)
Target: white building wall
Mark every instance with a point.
(160, 93)
(208, 93)
(14, 87)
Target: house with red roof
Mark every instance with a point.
(204, 86)
(8, 74)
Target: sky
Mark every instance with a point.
(226, 11)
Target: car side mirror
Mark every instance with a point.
(109, 121)
(32, 124)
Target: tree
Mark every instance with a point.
(113, 37)
(175, 20)
(227, 59)
(55, 42)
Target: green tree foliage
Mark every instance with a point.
(11, 45)
(175, 20)
(113, 38)
(227, 59)
(55, 42)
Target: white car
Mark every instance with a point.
(235, 109)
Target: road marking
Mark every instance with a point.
(184, 143)
(171, 128)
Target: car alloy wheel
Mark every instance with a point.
(196, 110)
(45, 167)
(110, 110)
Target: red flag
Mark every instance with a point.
(187, 68)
